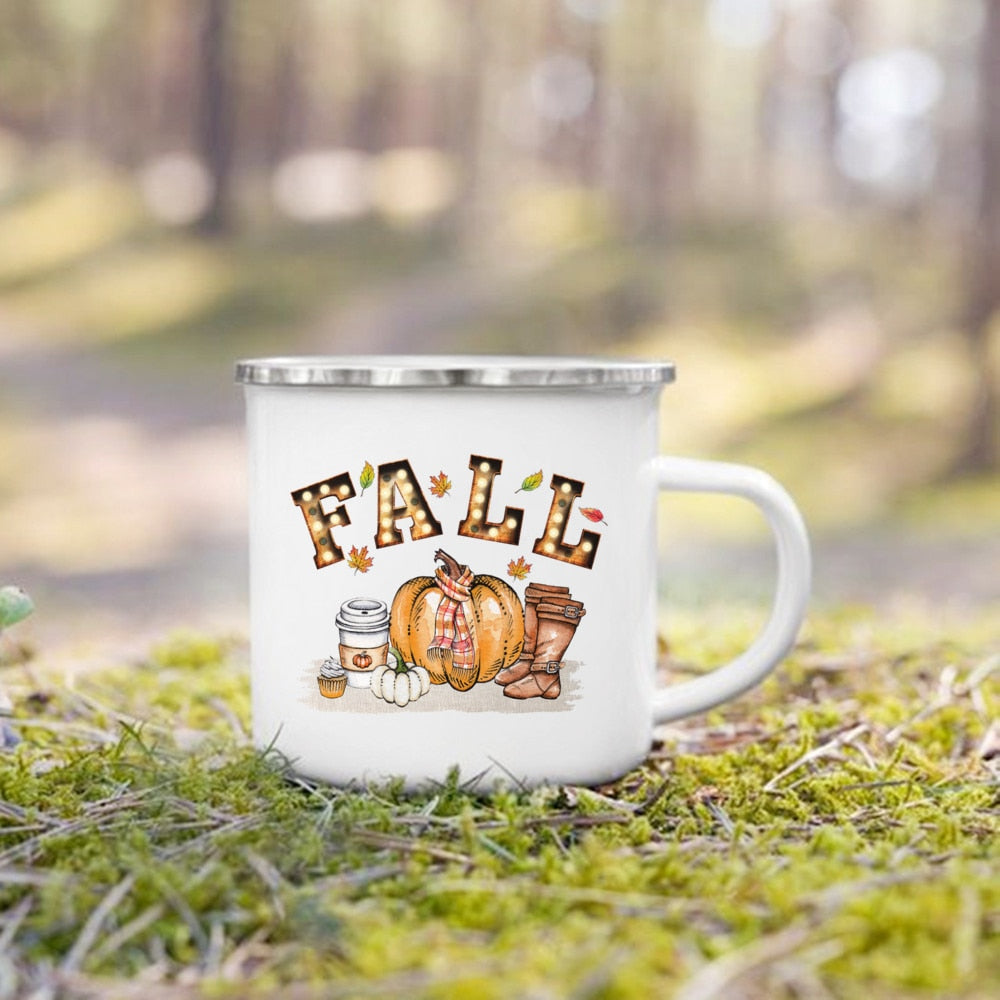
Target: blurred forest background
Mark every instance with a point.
(798, 201)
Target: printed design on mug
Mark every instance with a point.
(324, 506)
(453, 630)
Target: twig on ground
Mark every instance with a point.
(578, 820)
(359, 878)
(242, 737)
(945, 696)
(99, 736)
(410, 846)
(26, 876)
(126, 932)
(625, 903)
(828, 749)
(979, 674)
(88, 934)
(14, 918)
(718, 977)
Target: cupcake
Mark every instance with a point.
(332, 678)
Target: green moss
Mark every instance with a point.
(841, 822)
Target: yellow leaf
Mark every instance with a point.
(367, 477)
(440, 484)
(518, 569)
(531, 482)
(359, 559)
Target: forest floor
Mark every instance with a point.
(833, 834)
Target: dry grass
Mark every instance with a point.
(832, 835)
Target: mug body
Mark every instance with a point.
(435, 538)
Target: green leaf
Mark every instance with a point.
(531, 482)
(15, 605)
(367, 477)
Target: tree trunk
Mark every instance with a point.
(981, 452)
(215, 115)
(284, 113)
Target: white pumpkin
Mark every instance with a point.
(400, 682)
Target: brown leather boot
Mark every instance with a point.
(556, 625)
(535, 593)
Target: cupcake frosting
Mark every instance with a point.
(331, 668)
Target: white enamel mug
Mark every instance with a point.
(503, 510)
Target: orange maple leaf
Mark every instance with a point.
(359, 559)
(519, 569)
(440, 484)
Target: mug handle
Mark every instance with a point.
(691, 475)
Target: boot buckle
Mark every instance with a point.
(570, 612)
(549, 667)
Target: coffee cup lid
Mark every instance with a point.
(363, 614)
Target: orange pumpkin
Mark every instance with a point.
(493, 613)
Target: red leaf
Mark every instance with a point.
(593, 514)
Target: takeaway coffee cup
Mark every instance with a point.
(363, 625)
(474, 539)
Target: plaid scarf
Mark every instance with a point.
(452, 639)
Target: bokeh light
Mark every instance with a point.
(323, 185)
(176, 188)
(742, 24)
(897, 85)
(412, 184)
(561, 87)
(884, 137)
(594, 10)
